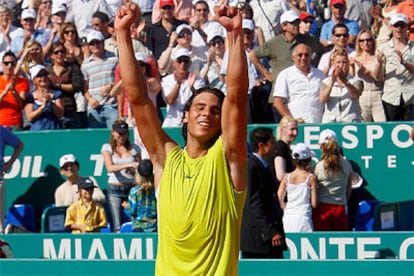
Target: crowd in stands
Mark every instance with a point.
(308, 62)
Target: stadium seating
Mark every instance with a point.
(22, 215)
(364, 218)
(126, 227)
(53, 219)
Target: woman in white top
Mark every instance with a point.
(121, 159)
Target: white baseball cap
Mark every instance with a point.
(35, 70)
(216, 32)
(181, 52)
(398, 17)
(248, 24)
(67, 158)
(301, 151)
(94, 35)
(325, 135)
(141, 57)
(28, 13)
(289, 16)
(182, 27)
(56, 8)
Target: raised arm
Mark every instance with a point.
(157, 142)
(234, 119)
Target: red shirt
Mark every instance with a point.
(407, 7)
(10, 111)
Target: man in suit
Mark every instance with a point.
(262, 234)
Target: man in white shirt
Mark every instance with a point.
(296, 92)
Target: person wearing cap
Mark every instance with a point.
(178, 87)
(85, 215)
(44, 12)
(182, 38)
(44, 107)
(13, 92)
(80, 12)
(406, 7)
(142, 205)
(398, 96)
(102, 107)
(121, 158)
(301, 188)
(160, 32)
(211, 72)
(246, 12)
(181, 9)
(7, 138)
(212, 162)
(7, 29)
(334, 175)
(57, 19)
(278, 50)
(67, 192)
(306, 25)
(338, 8)
(296, 91)
(262, 234)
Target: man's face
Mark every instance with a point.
(399, 30)
(28, 24)
(302, 57)
(167, 12)
(248, 36)
(340, 37)
(269, 147)
(9, 63)
(182, 64)
(291, 27)
(69, 169)
(98, 25)
(5, 18)
(338, 11)
(201, 11)
(96, 47)
(59, 18)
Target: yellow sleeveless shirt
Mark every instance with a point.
(199, 215)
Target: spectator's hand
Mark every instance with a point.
(380, 56)
(334, 76)
(82, 228)
(300, 120)
(229, 17)
(277, 240)
(105, 91)
(127, 15)
(173, 38)
(191, 78)
(94, 103)
(124, 204)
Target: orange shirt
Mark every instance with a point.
(10, 111)
(407, 7)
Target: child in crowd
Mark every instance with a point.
(141, 205)
(85, 215)
(300, 186)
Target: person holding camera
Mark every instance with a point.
(121, 159)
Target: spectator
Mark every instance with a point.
(85, 215)
(247, 13)
(267, 15)
(178, 87)
(381, 20)
(141, 205)
(359, 11)
(182, 9)
(7, 138)
(159, 33)
(334, 175)
(100, 22)
(44, 107)
(68, 79)
(69, 37)
(338, 8)
(102, 108)
(296, 92)
(301, 188)
(80, 12)
(262, 233)
(398, 97)
(406, 7)
(183, 37)
(369, 68)
(306, 23)
(213, 207)
(340, 36)
(7, 30)
(286, 133)
(340, 92)
(211, 72)
(13, 94)
(32, 55)
(44, 13)
(58, 18)
(121, 160)
(67, 192)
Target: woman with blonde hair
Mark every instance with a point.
(370, 70)
(334, 175)
(286, 133)
(32, 55)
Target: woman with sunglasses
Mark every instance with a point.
(74, 50)
(369, 69)
(44, 107)
(68, 79)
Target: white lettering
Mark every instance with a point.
(374, 132)
(97, 248)
(99, 164)
(366, 158)
(404, 248)
(49, 251)
(308, 250)
(394, 136)
(311, 134)
(78, 249)
(37, 163)
(27, 160)
(392, 161)
(150, 249)
(135, 251)
(341, 242)
(348, 135)
(14, 171)
(365, 254)
(292, 249)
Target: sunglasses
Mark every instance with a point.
(167, 7)
(341, 35)
(69, 32)
(365, 40)
(400, 25)
(201, 10)
(42, 74)
(184, 60)
(7, 63)
(296, 22)
(94, 43)
(59, 52)
(29, 19)
(183, 34)
(216, 42)
(303, 55)
(68, 165)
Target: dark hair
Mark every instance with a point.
(112, 142)
(340, 25)
(304, 163)
(217, 92)
(101, 15)
(9, 53)
(202, 2)
(260, 135)
(246, 8)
